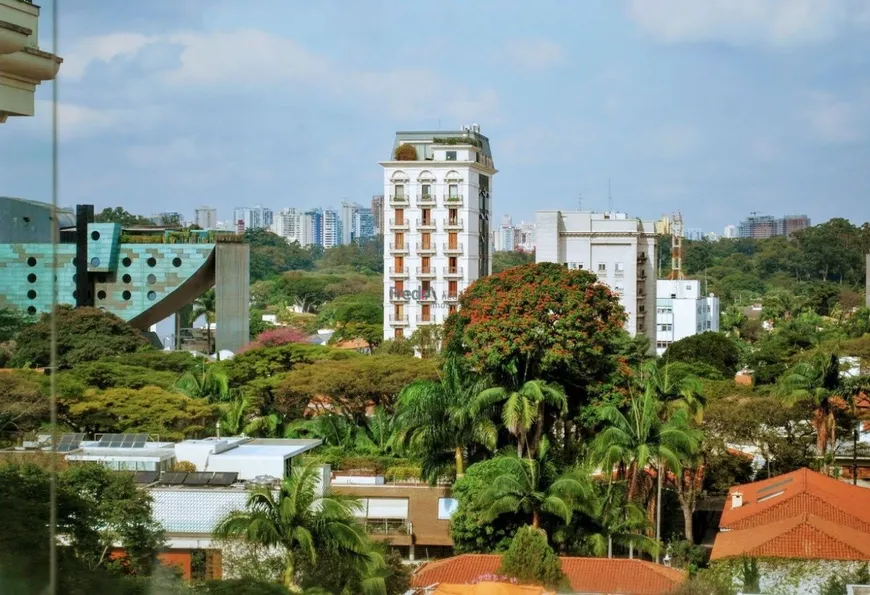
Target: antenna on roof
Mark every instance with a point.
(580, 202)
(609, 197)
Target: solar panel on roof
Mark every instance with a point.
(127, 440)
(198, 478)
(139, 440)
(69, 441)
(146, 476)
(173, 478)
(774, 486)
(224, 478)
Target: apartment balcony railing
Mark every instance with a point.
(452, 271)
(385, 526)
(424, 272)
(399, 200)
(426, 199)
(452, 297)
(398, 272)
(402, 247)
(454, 249)
(400, 224)
(396, 295)
(428, 224)
(453, 201)
(455, 223)
(425, 319)
(398, 320)
(426, 248)
(427, 295)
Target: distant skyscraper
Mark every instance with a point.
(527, 237)
(363, 224)
(293, 225)
(765, 226)
(378, 212)
(730, 231)
(255, 217)
(331, 234)
(315, 217)
(346, 213)
(205, 217)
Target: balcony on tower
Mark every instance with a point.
(400, 224)
(453, 223)
(452, 272)
(398, 320)
(424, 248)
(426, 272)
(399, 248)
(453, 200)
(398, 272)
(426, 200)
(426, 224)
(452, 248)
(399, 200)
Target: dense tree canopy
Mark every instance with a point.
(83, 335)
(271, 254)
(713, 349)
(503, 260)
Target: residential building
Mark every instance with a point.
(315, 218)
(682, 311)
(801, 527)
(712, 236)
(205, 217)
(293, 225)
(347, 216)
(436, 217)
(256, 217)
(527, 237)
(506, 237)
(363, 224)
(730, 232)
(694, 233)
(619, 249)
(331, 229)
(23, 65)
(378, 213)
(591, 576)
(766, 226)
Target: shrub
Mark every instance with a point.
(397, 473)
(184, 467)
(406, 152)
(715, 349)
(275, 337)
(531, 559)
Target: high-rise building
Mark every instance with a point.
(331, 231)
(436, 224)
(765, 226)
(730, 232)
(682, 311)
(255, 217)
(363, 224)
(205, 217)
(315, 217)
(620, 250)
(346, 214)
(378, 212)
(293, 225)
(527, 237)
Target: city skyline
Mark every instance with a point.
(680, 114)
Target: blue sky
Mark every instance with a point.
(714, 108)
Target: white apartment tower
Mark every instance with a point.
(332, 229)
(682, 311)
(619, 250)
(293, 225)
(205, 217)
(436, 225)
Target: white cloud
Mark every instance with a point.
(772, 23)
(533, 54)
(73, 121)
(103, 48)
(256, 60)
(835, 120)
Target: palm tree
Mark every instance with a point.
(530, 486)
(684, 393)
(206, 305)
(334, 429)
(301, 523)
(377, 434)
(437, 420)
(523, 408)
(732, 320)
(209, 384)
(818, 380)
(619, 522)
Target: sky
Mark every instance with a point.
(715, 109)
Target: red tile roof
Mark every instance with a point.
(587, 575)
(802, 514)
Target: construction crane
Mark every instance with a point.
(676, 247)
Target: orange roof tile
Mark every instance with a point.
(489, 588)
(803, 537)
(797, 493)
(587, 575)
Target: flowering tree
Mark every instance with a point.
(275, 337)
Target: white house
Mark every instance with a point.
(682, 311)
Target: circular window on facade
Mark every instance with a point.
(152, 295)
(95, 235)
(95, 262)
(126, 261)
(31, 294)
(152, 262)
(151, 279)
(31, 262)
(101, 294)
(75, 295)
(176, 262)
(31, 310)
(126, 278)
(126, 295)
(31, 278)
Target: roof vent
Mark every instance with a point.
(736, 499)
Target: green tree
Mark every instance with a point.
(715, 349)
(530, 559)
(373, 334)
(272, 255)
(83, 335)
(108, 373)
(523, 408)
(533, 487)
(11, 322)
(23, 407)
(503, 260)
(348, 309)
(837, 582)
(120, 215)
(302, 524)
(438, 420)
(616, 521)
(205, 306)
